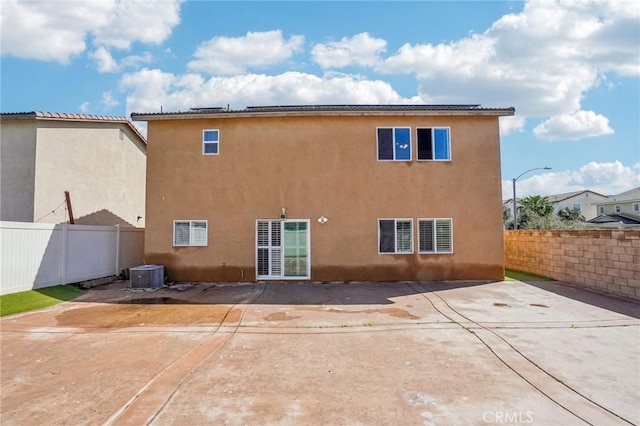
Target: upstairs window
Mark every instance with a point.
(394, 144)
(576, 207)
(435, 235)
(618, 208)
(636, 207)
(395, 236)
(210, 142)
(434, 144)
(601, 210)
(190, 233)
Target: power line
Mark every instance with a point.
(52, 211)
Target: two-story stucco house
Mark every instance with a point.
(623, 208)
(583, 201)
(99, 160)
(326, 193)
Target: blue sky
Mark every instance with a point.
(570, 68)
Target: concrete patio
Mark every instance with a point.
(302, 353)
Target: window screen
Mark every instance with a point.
(210, 142)
(190, 233)
(434, 144)
(395, 235)
(394, 144)
(435, 235)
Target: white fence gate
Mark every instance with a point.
(34, 255)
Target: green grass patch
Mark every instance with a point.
(36, 299)
(522, 276)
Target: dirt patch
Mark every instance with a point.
(500, 304)
(394, 312)
(147, 313)
(155, 301)
(539, 305)
(279, 316)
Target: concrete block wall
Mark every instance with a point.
(602, 260)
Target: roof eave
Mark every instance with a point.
(242, 114)
(86, 118)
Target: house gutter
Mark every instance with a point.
(250, 114)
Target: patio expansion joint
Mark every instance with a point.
(544, 382)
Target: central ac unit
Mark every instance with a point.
(147, 276)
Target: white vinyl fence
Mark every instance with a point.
(34, 255)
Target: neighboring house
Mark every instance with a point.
(622, 209)
(508, 204)
(583, 201)
(99, 160)
(327, 193)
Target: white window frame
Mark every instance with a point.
(618, 208)
(578, 205)
(394, 143)
(192, 242)
(280, 223)
(395, 235)
(435, 236)
(601, 210)
(433, 141)
(636, 207)
(204, 143)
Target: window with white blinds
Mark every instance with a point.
(435, 235)
(395, 236)
(190, 233)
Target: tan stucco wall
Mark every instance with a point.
(17, 166)
(327, 166)
(104, 175)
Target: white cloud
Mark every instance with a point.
(234, 55)
(361, 49)
(143, 21)
(106, 63)
(135, 61)
(605, 178)
(149, 89)
(58, 31)
(541, 60)
(84, 107)
(511, 124)
(108, 101)
(579, 125)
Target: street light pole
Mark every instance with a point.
(515, 208)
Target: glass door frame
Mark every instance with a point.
(282, 250)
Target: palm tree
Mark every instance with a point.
(571, 215)
(541, 206)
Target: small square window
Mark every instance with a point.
(210, 142)
(190, 233)
(576, 207)
(434, 144)
(395, 236)
(618, 208)
(394, 144)
(435, 235)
